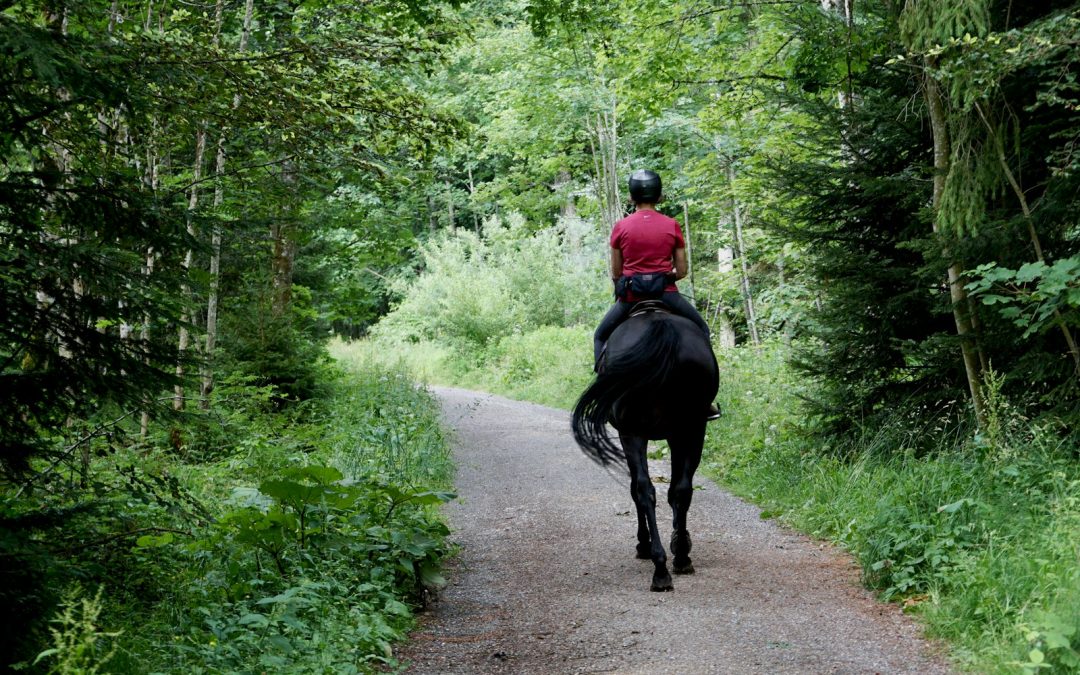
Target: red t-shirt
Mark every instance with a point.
(648, 240)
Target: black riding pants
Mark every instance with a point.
(620, 310)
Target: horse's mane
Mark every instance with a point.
(641, 369)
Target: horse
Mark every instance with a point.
(657, 377)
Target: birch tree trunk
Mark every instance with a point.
(187, 317)
(604, 142)
(846, 10)
(725, 259)
(216, 237)
(957, 294)
(151, 180)
(472, 197)
(689, 251)
(781, 266)
(450, 205)
(744, 268)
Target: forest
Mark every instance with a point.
(239, 237)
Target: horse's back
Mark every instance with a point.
(679, 379)
(694, 351)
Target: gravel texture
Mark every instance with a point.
(547, 582)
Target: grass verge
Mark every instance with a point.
(980, 537)
(550, 365)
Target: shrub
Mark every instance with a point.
(294, 542)
(475, 288)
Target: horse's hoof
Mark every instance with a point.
(662, 584)
(688, 568)
(644, 552)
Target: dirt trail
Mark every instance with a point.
(547, 581)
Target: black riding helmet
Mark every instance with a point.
(645, 187)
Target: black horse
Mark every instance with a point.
(658, 376)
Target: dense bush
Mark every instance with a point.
(475, 288)
(296, 541)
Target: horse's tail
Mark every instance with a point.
(638, 371)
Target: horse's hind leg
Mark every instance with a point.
(644, 539)
(644, 494)
(685, 458)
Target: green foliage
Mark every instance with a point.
(925, 23)
(475, 289)
(1035, 297)
(551, 365)
(282, 351)
(138, 144)
(389, 432)
(274, 543)
(74, 228)
(857, 208)
(330, 540)
(1050, 638)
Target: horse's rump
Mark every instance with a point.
(659, 374)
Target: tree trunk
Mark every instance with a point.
(472, 196)
(781, 271)
(689, 251)
(957, 293)
(450, 206)
(216, 237)
(725, 264)
(284, 258)
(744, 268)
(283, 236)
(207, 370)
(151, 181)
(604, 141)
(185, 287)
(562, 181)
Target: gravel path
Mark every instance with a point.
(547, 581)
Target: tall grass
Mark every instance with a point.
(384, 425)
(550, 365)
(980, 536)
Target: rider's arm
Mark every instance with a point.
(679, 258)
(616, 264)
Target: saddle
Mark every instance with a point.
(649, 307)
(640, 307)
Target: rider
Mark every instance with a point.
(644, 243)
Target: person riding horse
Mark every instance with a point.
(656, 375)
(648, 255)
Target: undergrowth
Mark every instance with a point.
(980, 535)
(273, 542)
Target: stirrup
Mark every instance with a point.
(712, 412)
